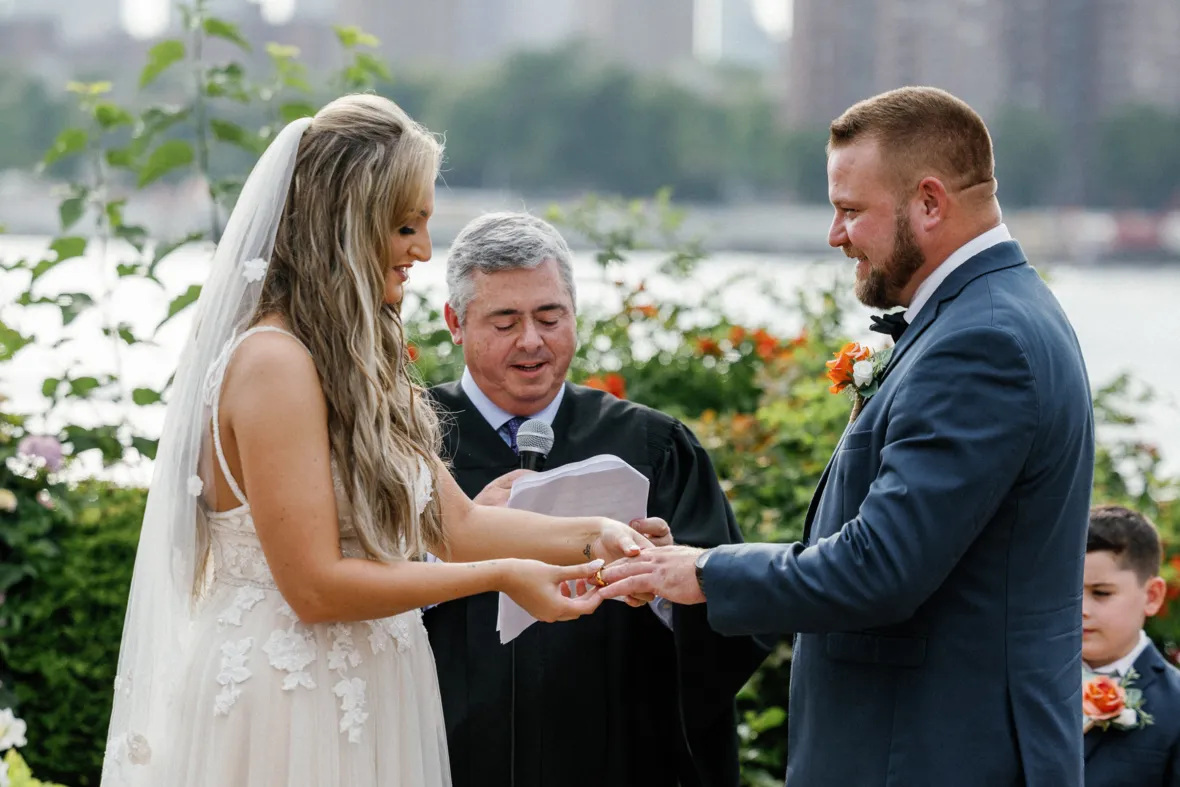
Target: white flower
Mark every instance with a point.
(233, 662)
(244, 601)
(4, 774)
(12, 730)
(138, 750)
(1128, 718)
(352, 702)
(195, 485)
(255, 269)
(862, 373)
(289, 650)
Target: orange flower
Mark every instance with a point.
(613, 384)
(1103, 698)
(412, 352)
(840, 370)
(801, 339)
(648, 311)
(737, 334)
(707, 346)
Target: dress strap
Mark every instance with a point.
(217, 377)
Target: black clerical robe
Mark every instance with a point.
(614, 698)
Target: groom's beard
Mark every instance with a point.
(882, 285)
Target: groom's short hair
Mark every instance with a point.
(922, 131)
(1129, 536)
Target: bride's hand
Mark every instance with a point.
(615, 541)
(542, 590)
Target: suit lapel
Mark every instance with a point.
(1149, 666)
(1003, 255)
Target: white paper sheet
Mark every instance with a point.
(602, 485)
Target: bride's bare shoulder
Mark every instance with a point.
(272, 369)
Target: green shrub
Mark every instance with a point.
(63, 625)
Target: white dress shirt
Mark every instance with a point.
(496, 417)
(976, 245)
(1121, 667)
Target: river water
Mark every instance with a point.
(1127, 318)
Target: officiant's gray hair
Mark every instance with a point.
(504, 241)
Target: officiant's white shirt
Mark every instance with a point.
(496, 417)
(976, 245)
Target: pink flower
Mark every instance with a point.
(43, 446)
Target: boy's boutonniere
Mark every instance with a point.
(1107, 702)
(857, 370)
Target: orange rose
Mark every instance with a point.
(648, 311)
(412, 352)
(707, 346)
(1103, 698)
(613, 384)
(737, 334)
(616, 385)
(840, 370)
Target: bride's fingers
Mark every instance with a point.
(582, 605)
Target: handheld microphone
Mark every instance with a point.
(534, 440)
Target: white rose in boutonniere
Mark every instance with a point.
(859, 371)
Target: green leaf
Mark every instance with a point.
(11, 341)
(232, 133)
(375, 66)
(163, 250)
(282, 52)
(73, 304)
(226, 82)
(110, 115)
(122, 158)
(49, 387)
(133, 234)
(145, 446)
(159, 118)
(89, 88)
(126, 335)
(352, 36)
(68, 248)
(295, 110)
(84, 386)
(181, 302)
(219, 28)
(168, 156)
(124, 270)
(145, 396)
(104, 438)
(159, 58)
(68, 143)
(71, 210)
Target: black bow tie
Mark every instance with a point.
(892, 324)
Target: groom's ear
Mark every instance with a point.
(453, 324)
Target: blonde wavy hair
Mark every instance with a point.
(364, 167)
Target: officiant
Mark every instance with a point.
(628, 696)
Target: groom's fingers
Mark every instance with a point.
(640, 584)
(621, 569)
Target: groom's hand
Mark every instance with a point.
(496, 493)
(668, 572)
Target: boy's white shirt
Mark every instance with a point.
(1122, 666)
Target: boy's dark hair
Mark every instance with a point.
(1131, 537)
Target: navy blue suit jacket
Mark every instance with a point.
(937, 596)
(1147, 757)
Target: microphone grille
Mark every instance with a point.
(536, 436)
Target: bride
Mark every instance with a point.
(273, 637)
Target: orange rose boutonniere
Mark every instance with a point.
(1107, 702)
(858, 371)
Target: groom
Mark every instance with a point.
(937, 592)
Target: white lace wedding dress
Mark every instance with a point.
(271, 702)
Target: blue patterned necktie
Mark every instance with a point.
(509, 430)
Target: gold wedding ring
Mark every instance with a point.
(598, 580)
